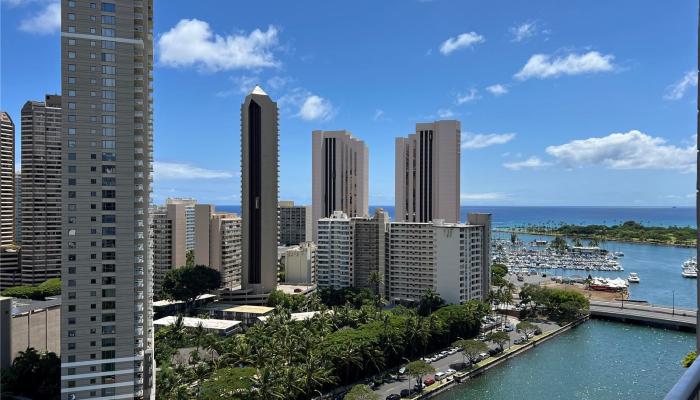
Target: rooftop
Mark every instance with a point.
(20, 306)
(218, 324)
(163, 303)
(250, 309)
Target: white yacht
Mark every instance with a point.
(690, 268)
(633, 278)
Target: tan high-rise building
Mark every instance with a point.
(450, 258)
(7, 179)
(41, 190)
(340, 175)
(484, 220)
(299, 263)
(427, 173)
(218, 243)
(259, 175)
(369, 250)
(107, 145)
(189, 219)
(169, 237)
(295, 225)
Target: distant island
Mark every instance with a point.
(630, 231)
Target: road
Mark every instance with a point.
(644, 312)
(455, 359)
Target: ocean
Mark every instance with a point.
(511, 216)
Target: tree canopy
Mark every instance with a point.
(500, 338)
(186, 283)
(418, 369)
(361, 392)
(34, 375)
(471, 349)
(51, 287)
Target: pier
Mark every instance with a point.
(646, 314)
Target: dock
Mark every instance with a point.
(682, 319)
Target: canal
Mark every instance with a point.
(597, 360)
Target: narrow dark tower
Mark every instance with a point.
(259, 161)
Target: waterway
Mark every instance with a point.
(597, 360)
(659, 269)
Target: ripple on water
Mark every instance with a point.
(597, 360)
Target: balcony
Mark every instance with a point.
(688, 387)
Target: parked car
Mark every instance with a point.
(509, 328)
(439, 376)
(428, 381)
(483, 356)
(538, 331)
(418, 386)
(405, 393)
(517, 341)
(393, 396)
(450, 371)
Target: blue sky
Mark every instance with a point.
(561, 103)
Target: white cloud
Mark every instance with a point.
(481, 140)
(47, 21)
(524, 31)
(277, 82)
(497, 89)
(630, 150)
(316, 108)
(532, 162)
(17, 3)
(678, 89)
(482, 196)
(544, 66)
(472, 95)
(462, 41)
(378, 114)
(169, 170)
(192, 43)
(445, 113)
(244, 84)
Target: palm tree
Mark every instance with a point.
(375, 281)
(266, 386)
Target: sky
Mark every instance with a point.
(560, 103)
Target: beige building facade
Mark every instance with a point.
(300, 263)
(427, 168)
(369, 249)
(340, 175)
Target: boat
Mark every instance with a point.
(619, 254)
(633, 278)
(690, 268)
(608, 285)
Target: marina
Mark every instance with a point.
(539, 255)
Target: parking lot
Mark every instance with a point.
(452, 361)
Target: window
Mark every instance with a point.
(108, 144)
(108, 169)
(108, 330)
(71, 181)
(109, 206)
(71, 67)
(108, 57)
(108, 342)
(71, 29)
(109, 219)
(108, 268)
(109, 255)
(108, 19)
(71, 106)
(106, 156)
(109, 44)
(72, 118)
(108, 131)
(109, 82)
(71, 42)
(71, 54)
(72, 207)
(72, 169)
(109, 293)
(109, 107)
(71, 131)
(108, 7)
(71, 79)
(109, 243)
(71, 194)
(71, 4)
(71, 93)
(71, 143)
(71, 308)
(109, 70)
(71, 17)
(109, 305)
(92, 30)
(109, 32)
(71, 321)
(109, 119)
(109, 231)
(71, 156)
(109, 94)
(71, 220)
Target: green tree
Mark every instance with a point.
(186, 283)
(361, 392)
(51, 287)
(471, 349)
(526, 327)
(418, 369)
(229, 383)
(189, 258)
(689, 359)
(500, 338)
(34, 375)
(429, 302)
(375, 281)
